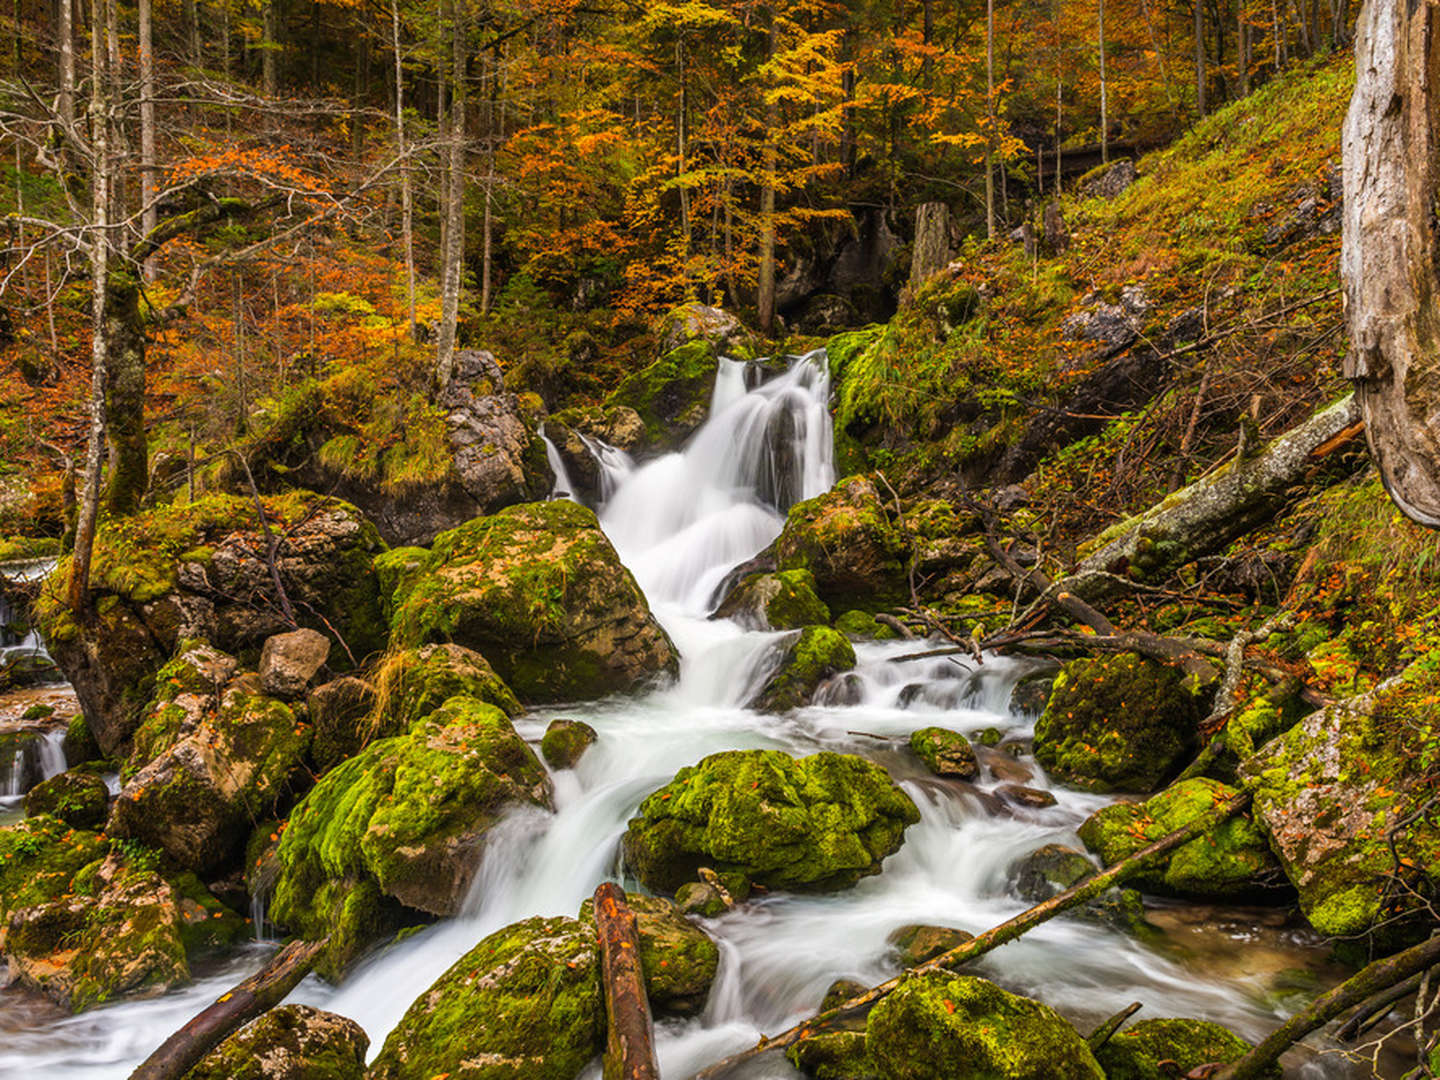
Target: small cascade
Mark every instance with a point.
(564, 488)
(615, 465)
(37, 756)
(24, 660)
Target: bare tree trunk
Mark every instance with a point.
(407, 207)
(1199, 57)
(1242, 47)
(65, 30)
(765, 291)
(931, 250)
(630, 1041)
(1104, 94)
(268, 47)
(454, 258)
(1391, 151)
(682, 124)
(192, 32)
(148, 215)
(990, 119)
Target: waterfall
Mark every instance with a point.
(563, 488)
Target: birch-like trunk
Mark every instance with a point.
(148, 215)
(407, 207)
(454, 254)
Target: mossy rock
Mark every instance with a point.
(290, 1042)
(77, 798)
(1053, 868)
(538, 590)
(812, 656)
(846, 540)
(186, 692)
(781, 601)
(672, 395)
(833, 1055)
(862, 626)
(677, 958)
(945, 1027)
(1230, 862)
(79, 745)
(817, 823)
(401, 823)
(341, 712)
(565, 741)
(39, 857)
(540, 1015)
(945, 752)
(416, 682)
(1164, 1048)
(1118, 723)
(916, 943)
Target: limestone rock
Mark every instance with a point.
(807, 660)
(290, 1042)
(289, 661)
(779, 601)
(945, 753)
(80, 799)
(846, 540)
(565, 741)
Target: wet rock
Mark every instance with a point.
(79, 745)
(692, 322)
(817, 823)
(862, 626)
(1003, 766)
(20, 758)
(201, 573)
(672, 395)
(989, 737)
(1032, 693)
(945, 753)
(539, 591)
(580, 464)
(677, 958)
(700, 898)
(1118, 723)
(1034, 798)
(289, 661)
(839, 992)
(290, 1042)
(1109, 181)
(840, 691)
(812, 656)
(540, 1017)
(340, 712)
(833, 1055)
(779, 601)
(401, 823)
(1230, 862)
(1164, 1048)
(1049, 871)
(945, 1027)
(846, 540)
(619, 425)
(80, 799)
(916, 943)
(565, 741)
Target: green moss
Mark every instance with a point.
(414, 683)
(564, 741)
(846, 540)
(76, 798)
(306, 1043)
(677, 958)
(816, 654)
(24, 548)
(943, 1027)
(38, 858)
(1163, 1048)
(862, 626)
(673, 394)
(815, 823)
(944, 752)
(539, 1015)
(833, 1055)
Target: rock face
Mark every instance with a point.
(189, 572)
(1118, 723)
(1110, 181)
(845, 539)
(289, 661)
(290, 1042)
(1328, 791)
(1231, 862)
(1162, 1048)
(499, 460)
(80, 799)
(539, 591)
(814, 655)
(565, 741)
(540, 1016)
(677, 958)
(945, 753)
(198, 799)
(783, 601)
(917, 943)
(339, 712)
(401, 823)
(817, 823)
(672, 395)
(944, 1027)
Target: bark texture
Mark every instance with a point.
(932, 242)
(1389, 257)
(629, 1045)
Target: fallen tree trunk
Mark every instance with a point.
(183, 1050)
(1369, 981)
(630, 1045)
(992, 938)
(1213, 512)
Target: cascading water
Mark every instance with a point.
(681, 523)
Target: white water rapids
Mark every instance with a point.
(680, 523)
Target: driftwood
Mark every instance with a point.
(1376, 1008)
(1106, 1031)
(1359, 988)
(630, 1045)
(992, 938)
(178, 1054)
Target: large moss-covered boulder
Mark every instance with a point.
(806, 661)
(677, 958)
(1118, 723)
(416, 682)
(946, 1027)
(847, 541)
(700, 322)
(833, 1055)
(565, 742)
(199, 570)
(1230, 862)
(781, 601)
(1330, 790)
(400, 826)
(290, 1042)
(78, 798)
(198, 799)
(538, 590)
(1163, 1048)
(816, 823)
(672, 395)
(524, 1004)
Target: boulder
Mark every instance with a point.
(945, 753)
(1163, 1048)
(1108, 181)
(677, 958)
(699, 322)
(781, 601)
(541, 1014)
(946, 1027)
(400, 826)
(341, 715)
(862, 626)
(1034, 798)
(619, 425)
(816, 823)
(807, 660)
(917, 943)
(187, 690)
(80, 799)
(672, 395)
(1118, 723)
(79, 745)
(1329, 790)
(539, 591)
(198, 571)
(289, 661)
(198, 799)
(833, 1055)
(565, 741)
(290, 1042)
(846, 540)
(419, 681)
(1052, 869)
(1230, 862)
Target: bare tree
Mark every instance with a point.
(407, 207)
(453, 255)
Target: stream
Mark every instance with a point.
(681, 523)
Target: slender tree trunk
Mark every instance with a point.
(682, 123)
(1104, 94)
(492, 133)
(990, 119)
(148, 215)
(1391, 152)
(268, 47)
(1242, 47)
(192, 32)
(407, 209)
(1199, 57)
(65, 31)
(765, 291)
(452, 280)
